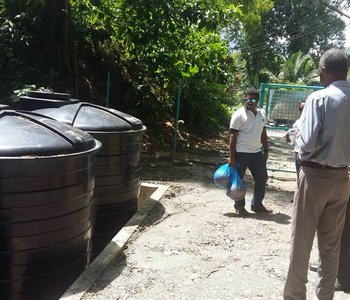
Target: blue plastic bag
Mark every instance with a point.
(222, 176)
(226, 177)
(236, 189)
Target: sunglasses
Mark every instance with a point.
(250, 100)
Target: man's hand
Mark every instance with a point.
(232, 162)
(266, 155)
(286, 138)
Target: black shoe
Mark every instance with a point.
(261, 209)
(339, 287)
(242, 211)
(313, 267)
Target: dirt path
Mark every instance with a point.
(193, 246)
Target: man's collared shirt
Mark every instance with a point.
(325, 126)
(249, 127)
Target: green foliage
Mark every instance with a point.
(205, 107)
(299, 69)
(240, 78)
(168, 42)
(148, 46)
(155, 43)
(14, 98)
(14, 38)
(33, 45)
(289, 27)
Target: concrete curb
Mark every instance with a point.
(110, 253)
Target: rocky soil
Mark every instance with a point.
(193, 246)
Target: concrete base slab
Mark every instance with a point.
(110, 253)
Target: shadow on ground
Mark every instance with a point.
(112, 272)
(155, 215)
(273, 217)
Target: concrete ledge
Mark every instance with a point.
(110, 253)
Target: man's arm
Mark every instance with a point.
(265, 143)
(232, 145)
(310, 125)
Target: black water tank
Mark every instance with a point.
(44, 99)
(117, 167)
(46, 187)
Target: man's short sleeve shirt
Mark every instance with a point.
(249, 127)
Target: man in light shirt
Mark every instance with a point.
(247, 139)
(321, 198)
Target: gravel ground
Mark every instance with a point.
(193, 246)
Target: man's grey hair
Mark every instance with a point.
(335, 60)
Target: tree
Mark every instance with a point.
(34, 43)
(289, 27)
(148, 46)
(299, 69)
(155, 43)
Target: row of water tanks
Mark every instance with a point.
(69, 181)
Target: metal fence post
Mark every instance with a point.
(178, 97)
(262, 94)
(108, 86)
(267, 100)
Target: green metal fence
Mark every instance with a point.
(281, 103)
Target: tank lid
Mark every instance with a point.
(91, 117)
(31, 134)
(48, 95)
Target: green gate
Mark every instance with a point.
(281, 103)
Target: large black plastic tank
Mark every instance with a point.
(43, 99)
(117, 167)
(46, 187)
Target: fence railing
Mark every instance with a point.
(281, 104)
